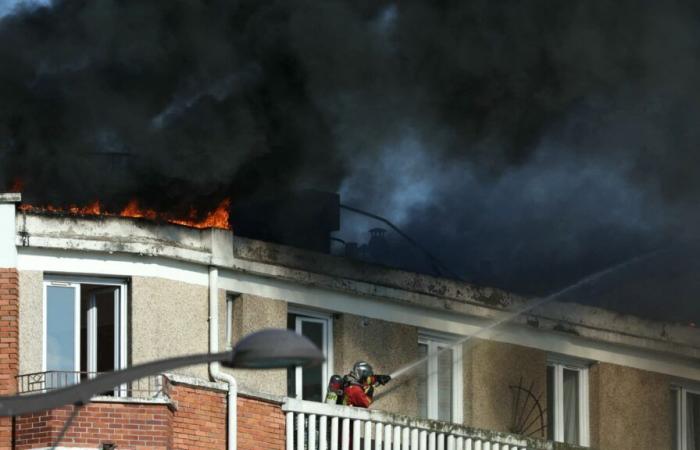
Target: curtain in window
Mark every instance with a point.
(444, 383)
(571, 406)
(693, 417)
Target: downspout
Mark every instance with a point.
(215, 367)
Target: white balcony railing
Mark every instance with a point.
(318, 426)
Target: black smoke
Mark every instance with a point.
(525, 143)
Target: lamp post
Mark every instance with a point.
(266, 349)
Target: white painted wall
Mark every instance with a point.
(57, 261)
(112, 265)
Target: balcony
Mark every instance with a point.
(318, 426)
(152, 387)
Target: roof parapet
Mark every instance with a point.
(10, 197)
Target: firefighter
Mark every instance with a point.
(359, 385)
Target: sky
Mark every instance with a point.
(525, 144)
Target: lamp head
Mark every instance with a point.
(274, 348)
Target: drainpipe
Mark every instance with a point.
(215, 367)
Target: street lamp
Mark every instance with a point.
(266, 349)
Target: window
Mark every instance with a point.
(84, 329)
(309, 383)
(567, 402)
(685, 404)
(230, 298)
(440, 379)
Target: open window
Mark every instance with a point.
(685, 405)
(567, 401)
(440, 378)
(84, 329)
(310, 383)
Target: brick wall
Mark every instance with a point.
(130, 426)
(196, 421)
(261, 425)
(199, 421)
(9, 309)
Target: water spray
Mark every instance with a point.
(530, 306)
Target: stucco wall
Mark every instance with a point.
(385, 345)
(168, 318)
(489, 369)
(252, 313)
(30, 321)
(630, 408)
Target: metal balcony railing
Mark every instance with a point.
(318, 426)
(144, 388)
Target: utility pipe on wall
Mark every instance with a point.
(215, 367)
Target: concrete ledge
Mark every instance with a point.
(64, 448)
(223, 387)
(162, 400)
(10, 197)
(349, 269)
(262, 396)
(196, 382)
(108, 234)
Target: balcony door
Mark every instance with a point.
(84, 329)
(310, 383)
(439, 378)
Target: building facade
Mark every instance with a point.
(84, 295)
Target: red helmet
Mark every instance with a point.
(336, 383)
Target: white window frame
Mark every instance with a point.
(681, 392)
(559, 364)
(306, 315)
(121, 350)
(434, 341)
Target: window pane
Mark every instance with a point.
(550, 403)
(312, 377)
(571, 406)
(422, 384)
(693, 432)
(291, 372)
(60, 335)
(444, 383)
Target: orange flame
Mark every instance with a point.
(217, 218)
(132, 209)
(214, 219)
